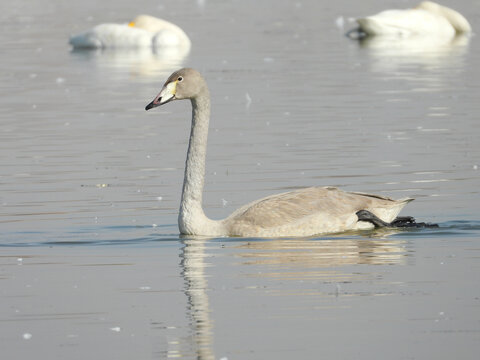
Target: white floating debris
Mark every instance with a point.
(154, 225)
(60, 80)
(159, 198)
(224, 202)
(340, 22)
(101, 185)
(144, 287)
(20, 259)
(249, 100)
(475, 167)
(116, 329)
(338, 288)
(27, 336)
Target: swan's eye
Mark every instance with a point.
(180, 79)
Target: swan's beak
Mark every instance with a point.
(167, 94)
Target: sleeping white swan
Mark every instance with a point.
(303, 212)
(427, 18)
(143, 32)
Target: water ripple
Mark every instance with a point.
(143, 235)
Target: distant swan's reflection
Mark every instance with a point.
(140, 62)
(391, 55)
(308, 257)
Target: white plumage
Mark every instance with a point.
(143, 32)
(427, 18)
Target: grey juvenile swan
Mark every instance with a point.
(303, 212)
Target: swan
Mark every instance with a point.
(144, 31)
(303, 212)
(427, 18)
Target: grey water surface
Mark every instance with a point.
(91, 262)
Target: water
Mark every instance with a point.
(91, 263)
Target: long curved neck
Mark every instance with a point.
(192, 220)
(197, 151)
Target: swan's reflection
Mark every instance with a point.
(434, 55)
(302, 259)
(196, 286)
(309, 253)
(140, 62)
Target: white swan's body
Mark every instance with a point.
(303, 212)
(144, 32)
(428, 18)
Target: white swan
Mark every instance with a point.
(143, 32)
(427, 18)
(303, 212)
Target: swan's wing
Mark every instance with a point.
(328, 202)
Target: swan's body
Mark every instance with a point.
(427, 18)
(303, 212)
(145, 31)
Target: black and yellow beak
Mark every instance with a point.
(166, 95)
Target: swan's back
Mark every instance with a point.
(405, 23)
(112, 36)
(309, 211)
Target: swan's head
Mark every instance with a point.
(185, 83)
